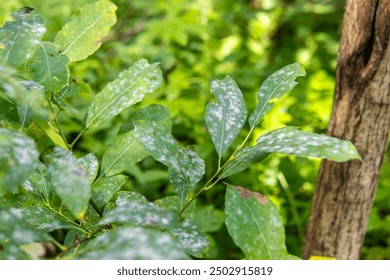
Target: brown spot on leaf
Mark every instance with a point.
(245, 193)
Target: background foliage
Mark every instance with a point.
(200, 40)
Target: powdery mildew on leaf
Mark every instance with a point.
(85, 32)
(18, 159)
(255, 226)
(275, 86)
(91, 165)
(125, 151)
(290, 140)
(131, 211)
(129, 88)
(194, 242)
(186, 168)
(106, 187)
(133, 243)
(69, 179)
(20, 38)
(225, 118)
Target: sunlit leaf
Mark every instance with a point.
(20, 38)
(105, 188)
(48, 67)
(275, 86)
(85, 32)
(69, 179)
(254, 224)
(186, 168)
(225, 118)
(129, 88)
(18, 159)
(133, 243)
(290, 140)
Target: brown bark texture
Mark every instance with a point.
(361, 113)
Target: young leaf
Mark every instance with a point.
(85, 32)
(132, 211)
(48, 67)
(275, 86)
(125, 151)
(129, 88)
(254, 224)
(290, 140)
(18, 159)
(225, 118)
(106, 187)
(243, 159)
(194, 242)
(186, 168)
(133, 243)
(69, 179)
(20, 38)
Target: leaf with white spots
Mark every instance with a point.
(194, 242)
(290, 140)
(130, 210)
(69, 179)
(133, 243)
(275, 86)
(254, 224)
(226, 117)
(20, 38)
(18, 159)
(125, 152)
(186, 168)
(128, 89)
(242, 160)
(15, 229)
(49, 67)
(91, 165)
(105, 188)
(85, 32)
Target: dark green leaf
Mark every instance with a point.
(105, 188)
(209, 219)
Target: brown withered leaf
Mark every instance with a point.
(245, 193)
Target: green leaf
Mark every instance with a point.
(133, 243)
(105, 188)
(242, 160)
(172, 202)
(18, 159)
(254, 224)
(186, 168)
(91, 165)
(290, 140)
(17, 230)
(11, 251)
(85, 32)
(132, 211)
(39, 214)
(225, 118)
(209, 219)
(48, 67)
(20, 38)
(69, 179)
(125, 151)
(129, 88)
(275, 86)
(155, 113)
(194, 242)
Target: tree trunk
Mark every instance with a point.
(361, 113)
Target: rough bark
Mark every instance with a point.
(361, 113)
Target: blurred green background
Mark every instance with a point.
(201, 40)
